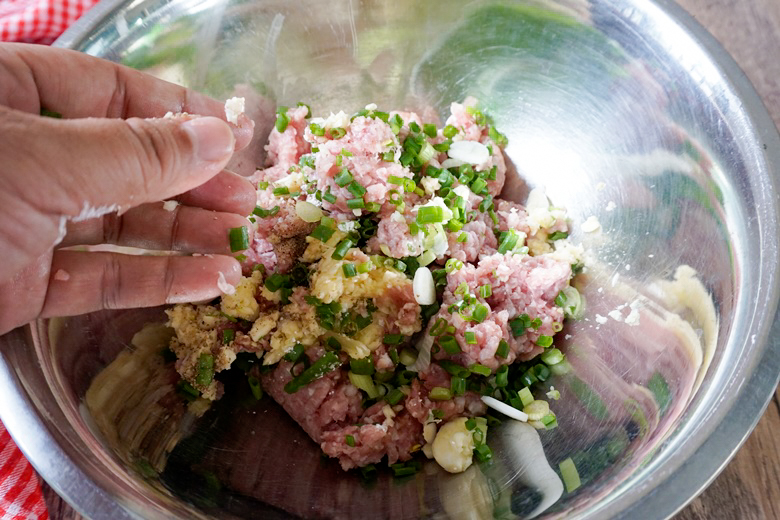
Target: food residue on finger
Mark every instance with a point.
(61, 275)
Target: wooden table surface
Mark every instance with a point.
(749, 487)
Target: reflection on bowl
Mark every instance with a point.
(614, 107)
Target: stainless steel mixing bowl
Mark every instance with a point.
(625, 110)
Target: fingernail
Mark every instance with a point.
(212, 138)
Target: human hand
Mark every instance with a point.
(63, 180)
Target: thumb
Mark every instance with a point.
(98, 165)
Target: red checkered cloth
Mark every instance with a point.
(38, 21)
(20, 490)
(29, 21)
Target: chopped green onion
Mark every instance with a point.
(388, 156)
(343, 178)
(541, 372)
(503, 349)
(316, 129)
(508, 242)
(552, 356)
(350, 440)
(485, 291)
(463, 237)
(544, 341)
(452, 265)
(471, 424)
(449, 344)
(426, 258)
(357, 203)
(449, 131)
(349, 270)
(394, 179)
(263, 213)
(205, 369)
(414, 127)
(557, 235)
(480, 369)
(393, 339)
(454, 225)
(457, 385)
(560, 300)
(281, 190)
(282, 119)
(519, 324)
(571, 479)
(239, 238)
(322, 233)
(337, 133)
(438, 327)
(341, 249)
(333, 343)
(327, 363)
(227, 336)
(439, 393)
(502, 376)
(396, 123)
(536, 323)
(430, 214)
(254, 386)
(364, 267)
(525, 395)
(373, 207)
(483, 452)
(295, 353)
(471, 337)
(479, 186)
(479, 313)
(362, 367)
(407, 357)
(394, 396)
(356, 189)
(426, 152)
(429, 129)
(454, 369)
(329, 197)
(365, 383)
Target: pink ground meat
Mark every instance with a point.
(374, 440)
(419, 405)
(365, 141)
(520, 284)
(464, 121)
(285, 149)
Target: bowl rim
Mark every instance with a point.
(671, 493)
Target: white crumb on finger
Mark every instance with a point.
(234, 107)
(224, 286)
(61, 275)
(170, 205)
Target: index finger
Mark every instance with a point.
(77, 85)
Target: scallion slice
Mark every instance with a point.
(337, 133)
(457, 385)
(430, 214)
(205, 372)
(341, 249)
(322, 233)
(363, 367)
(349, 270)
(449, 131)
(552, 356)
(343, 178)
(463, 237)
(471, 337)
(327, 363)
(571, 479)
(350, 440)
(239, 238)
(479, 313)
(449, 344)
(544, 341)
(480, 369)
(503, 349)
(227, 336)
(429, 129)
(439, 393)
(502, 376)
(485, 291)
(356, 189)
(393, 339)
(356, 203)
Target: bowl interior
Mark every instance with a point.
(614, 108)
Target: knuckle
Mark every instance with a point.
(112, 282)
(156, 150)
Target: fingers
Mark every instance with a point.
(86, 282)
(38, 77)
(153, 227)
(226, 191)
(87, 167)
